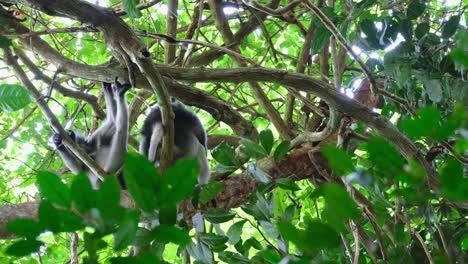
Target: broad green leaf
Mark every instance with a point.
(209, 191)
(231, 257)
(24, 247)
(339, 206)
(142, 181)
(450, 27)
(339, 160)
(224, 154)
(171, 234)
(82, 193)
(25, 227)
(57, 220)
(200, 252)
(108, 200)
(426, 120)
(234, 232)
(178, 182)
(213, 239)
(252, 149)
(450, 124)
(93, 243)
(385, 156)
(126, 232)
(281, 150)
(13, 97)
(144, 258)
(266, 139)
(415, 9)
(289, 232)
(52, 187)
(218, 216)
(287, 184)
(453, 184)
(421, 30)
(320, 236)
(4, 42)
(130, 6)
(168, 215)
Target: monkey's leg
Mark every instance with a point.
(107, 126)
(120, 137)
(197, 150)
(111, 104)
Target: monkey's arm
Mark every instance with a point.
(71, 161)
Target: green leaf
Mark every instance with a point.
(126, 232)
(252, 149)
(142, 181)
(209, 191)
(290, 232)
(25, 227)
(287, 184)
(93, 243)
(234, 258)
(266, 139)
(421, 30)
(234, 232)
(425, 121)
(218, 216)
(200, 252)
(57, 220)
(339, 206)
(172, 234)
(52, 187)
(385, 156)
(450, 27)
(453, 184)
(130, 6)
(168, 215)
(13, 97)
(316, 236)
(339, 160)
(415, 9)
(213, 240)
(178, 182)
(144, 258)
(321, 236)
(82, 193)
(450, 124)
(281, 150)
(4, 42)
(108, 200)
(24, 247)
(224, 154)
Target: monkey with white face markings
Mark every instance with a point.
(189, 138)
(108, 144)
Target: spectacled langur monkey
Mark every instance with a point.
(189, 138)
(107, 145)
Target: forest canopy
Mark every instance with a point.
(337, 131)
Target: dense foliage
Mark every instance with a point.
(358, 195)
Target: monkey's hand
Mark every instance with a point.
(119, 88)
(57, 139)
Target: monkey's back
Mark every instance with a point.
(185, 122)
